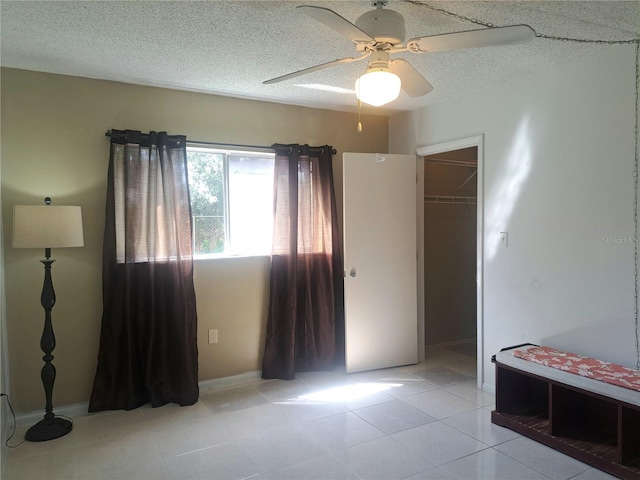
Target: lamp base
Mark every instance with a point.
(48, 429)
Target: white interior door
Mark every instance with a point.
(381, 328)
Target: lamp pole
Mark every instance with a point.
(51, 426)
(48, 340)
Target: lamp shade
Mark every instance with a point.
(377, 87)
(47, 226)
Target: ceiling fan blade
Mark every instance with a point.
(334, 21)
(412, 82)
(485, 37)
(322, 66)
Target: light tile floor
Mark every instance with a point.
(426, 421)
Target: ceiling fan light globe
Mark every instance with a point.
(378, 87)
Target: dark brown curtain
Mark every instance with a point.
(148, 350)
(306, 320)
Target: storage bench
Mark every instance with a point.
(591, 420)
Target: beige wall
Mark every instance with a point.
(53, 144)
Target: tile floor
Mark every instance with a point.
(425, 421)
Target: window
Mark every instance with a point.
(231, 201)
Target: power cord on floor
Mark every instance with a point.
(13, 429)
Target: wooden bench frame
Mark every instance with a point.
(598, 430)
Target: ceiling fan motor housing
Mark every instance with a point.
(386, 26)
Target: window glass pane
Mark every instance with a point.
(231, 201)
(207, 191)
(250, 203)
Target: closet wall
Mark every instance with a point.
(450, 246)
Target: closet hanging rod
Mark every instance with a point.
(233, 145)
(454, 200)
(453, 163)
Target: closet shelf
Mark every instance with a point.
(463, 200)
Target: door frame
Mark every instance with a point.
(474, 141)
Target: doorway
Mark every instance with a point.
(450, 248)
(450, 221)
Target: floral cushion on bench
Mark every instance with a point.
(584, 366)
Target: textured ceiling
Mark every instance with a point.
(230, 47)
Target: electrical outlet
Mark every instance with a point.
(213, 335)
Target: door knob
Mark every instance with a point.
(352, 273)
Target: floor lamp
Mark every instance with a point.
(47, 226)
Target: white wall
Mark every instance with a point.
(559, 157)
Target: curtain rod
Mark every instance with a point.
(237, 145)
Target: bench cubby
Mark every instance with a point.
(598, 430)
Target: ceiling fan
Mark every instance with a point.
(379, 33)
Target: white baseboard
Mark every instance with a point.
(454, 342)
(232, 381)
(487, 387)
(82, 409)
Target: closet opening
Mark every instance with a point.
(450, 256)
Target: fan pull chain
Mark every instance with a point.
(636, 173)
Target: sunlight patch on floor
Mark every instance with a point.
(344, 393)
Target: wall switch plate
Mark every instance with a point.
(213, 335)
(504, 239)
